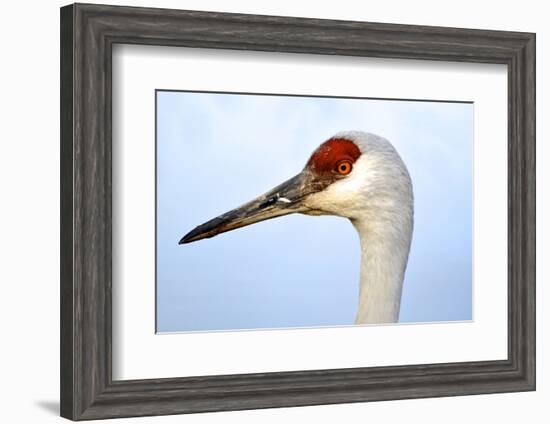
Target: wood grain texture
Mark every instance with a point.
(66, 212)
(88, 33)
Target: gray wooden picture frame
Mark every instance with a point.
(88, 33)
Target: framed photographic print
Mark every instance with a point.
(264, 211)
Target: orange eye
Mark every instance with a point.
(343, 167)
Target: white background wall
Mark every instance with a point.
(29, 212)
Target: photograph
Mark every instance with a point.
(261, 207)
(372, 199)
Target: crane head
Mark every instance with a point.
(343, 176)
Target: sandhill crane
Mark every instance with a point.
(359, 176)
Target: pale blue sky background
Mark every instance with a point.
(216, 151)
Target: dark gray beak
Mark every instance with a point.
(282, 200)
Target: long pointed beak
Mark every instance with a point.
(284, 199)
